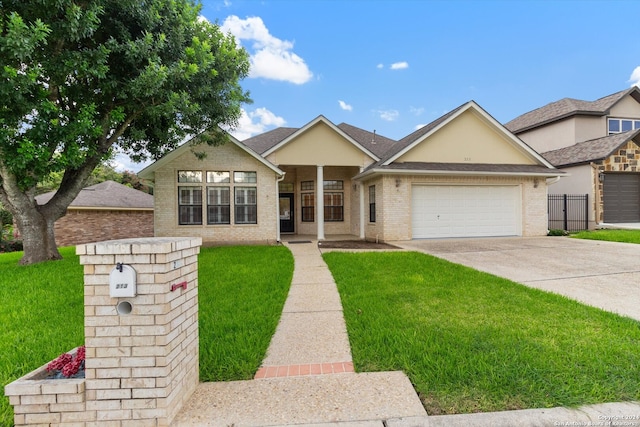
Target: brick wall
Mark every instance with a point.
(141, 364)
(393, 203)
(227, 157)
(81, 226)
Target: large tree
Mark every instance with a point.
(80, 78)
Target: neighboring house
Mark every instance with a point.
(597, 144)
(105, 211)
(463, 175)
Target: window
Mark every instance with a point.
(218, 177)
(218, 205)
(333, 207)
(333, 185)
(622, 125)
(190, 205)
(246, 205)
(285, 187)
(189, 176)
(308, 207)
(307, 186)
(372, 203)
(245, 177)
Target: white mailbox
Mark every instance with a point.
(122, 281)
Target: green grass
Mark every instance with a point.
(242, 291)
(625, 236)
(241, 294)
(472, 342)
(41, 312)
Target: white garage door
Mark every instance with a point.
(465, 211)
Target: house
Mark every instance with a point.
(462, 175)
(597, 144)
(105, 211)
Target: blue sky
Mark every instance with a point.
(392, 66)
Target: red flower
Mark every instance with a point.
(67, 364)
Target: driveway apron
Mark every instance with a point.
(601, 274)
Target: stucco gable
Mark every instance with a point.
(468, 134)
(320, 142)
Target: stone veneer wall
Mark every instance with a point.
(140, 367)
(80, 226)
(625, 159)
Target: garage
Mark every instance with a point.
(440, 211)
(621, 197)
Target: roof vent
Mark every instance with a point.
(373, 140)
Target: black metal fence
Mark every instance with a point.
(568, 212)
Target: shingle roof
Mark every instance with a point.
(588, 151)
(264, 141)
(107, 194)
(375, 143)
(567, 107)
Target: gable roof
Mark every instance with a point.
(265, 141)
(312, 123)
(386, 164)
(589, 151)
(147, 173)
(106, 195)
(374, 142)
(568, 107)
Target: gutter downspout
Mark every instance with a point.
(596, 192)
(362, 213)
(278, 181)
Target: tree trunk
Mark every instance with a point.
(38, 237)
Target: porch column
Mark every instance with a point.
(362, 210)
(320, 202)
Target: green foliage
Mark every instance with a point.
(473, 342)
(79, 79)
(557, 232)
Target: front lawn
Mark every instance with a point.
(473, 342)
(625, 236)
(241, 294)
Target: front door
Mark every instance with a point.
(286, 213)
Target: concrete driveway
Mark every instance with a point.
(602, 274)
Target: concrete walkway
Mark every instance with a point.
(307, 377)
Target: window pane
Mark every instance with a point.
(306, 186)
(245, 177)
(333, 213)
(190, 195)
(636, 125)
(627, 125)
(285, 187)
(246, 196)
(372, 194)
(333, 185)
(308, 199)
(219, 215)
(218, 195)
(189, 176)
(246, 214)
(614, 125)
(190, 215)
(218, 177)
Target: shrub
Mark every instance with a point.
(557, 232)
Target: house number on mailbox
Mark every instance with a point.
(122, 281)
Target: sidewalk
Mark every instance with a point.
(307, 377)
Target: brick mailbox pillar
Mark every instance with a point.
(141, 350)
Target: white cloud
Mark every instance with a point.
(345, 106)
(380, 66)
(416, 127)
(122, 163)
(256, 122)
(271, 58)
(389, 115)
(399, 65)
(635, 77)
(416, 110)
